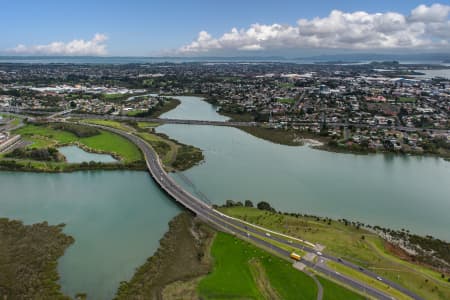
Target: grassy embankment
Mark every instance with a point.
(242, 117)
(367, 279)
(357, 245)
(244, 271)
(109, 123)
(146, 125)
(44, 136)
(193, 261)
(28, 260)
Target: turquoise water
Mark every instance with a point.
(391, 191)
(116, 218)
(75, 154)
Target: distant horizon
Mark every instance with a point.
(255, 56)
(296, 28)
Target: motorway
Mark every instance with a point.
(247, 231)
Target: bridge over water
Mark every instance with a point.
(247, 231)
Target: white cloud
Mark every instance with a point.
(95, 46)
(432, 14)
(427, 27)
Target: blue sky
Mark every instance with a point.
(156, 27)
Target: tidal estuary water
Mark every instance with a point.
(387, 190)
(118, 217)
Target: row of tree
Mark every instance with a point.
(263, 205)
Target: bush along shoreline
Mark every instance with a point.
(27, 166)
(29, 255)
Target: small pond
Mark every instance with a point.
(75, 154)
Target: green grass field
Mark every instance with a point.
(286, 100)
(15, 120)
(333, 291)
(407, 99)
(43, 136)
(109, 123)
(243, 271)
(347, 242)
(144, 125)
(114, 97)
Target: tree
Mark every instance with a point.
(248, 203)
(265, 206)
(230, 203)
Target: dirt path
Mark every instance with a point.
(262, 282)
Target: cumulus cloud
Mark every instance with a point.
(95, 46)
(434, 13)
(426, 27)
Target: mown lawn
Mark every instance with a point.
(44, 135)
(234, 275)
(113, 143)
(347, 242)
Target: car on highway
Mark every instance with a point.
(319, 253)
(379, 278)
(268, 234)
